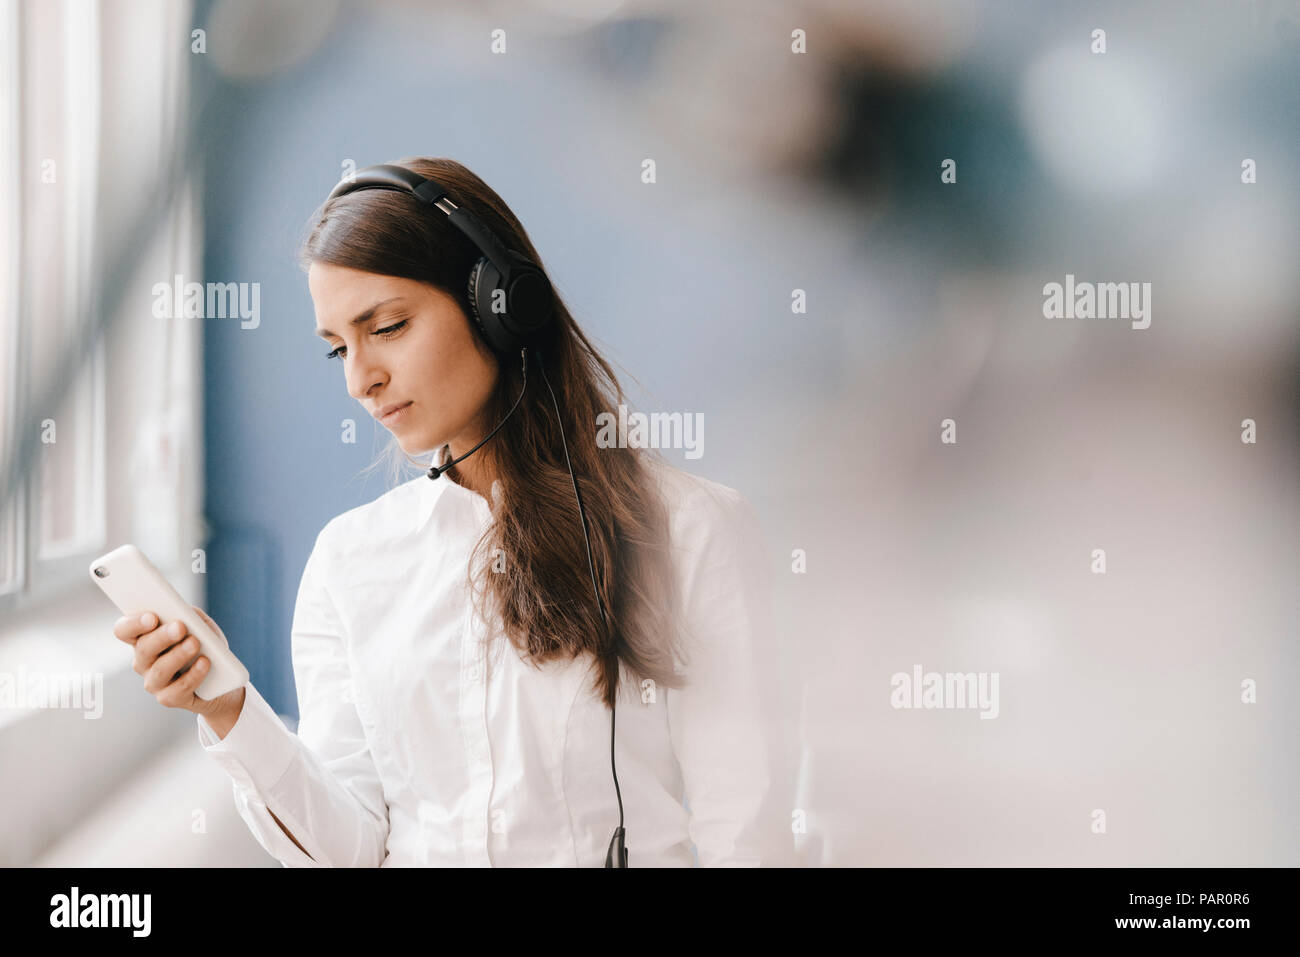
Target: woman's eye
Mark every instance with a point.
(395, 327)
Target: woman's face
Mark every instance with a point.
(403, 342)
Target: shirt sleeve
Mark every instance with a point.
(321, 782)
(723, 723)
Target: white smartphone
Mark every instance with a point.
(135, 586)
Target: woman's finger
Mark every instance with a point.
(130, 627)
(163, 670)
(180, 693)
(150, 646)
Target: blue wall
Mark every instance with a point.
(567, 161)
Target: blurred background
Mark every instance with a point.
(855, 209)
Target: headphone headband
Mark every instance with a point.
(509, 295)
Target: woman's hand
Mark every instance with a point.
(161, 654)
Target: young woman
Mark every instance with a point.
(467, 646)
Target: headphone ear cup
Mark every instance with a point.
(532, 301)
(529, 305)
(483, 280)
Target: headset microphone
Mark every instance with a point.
(512, 305)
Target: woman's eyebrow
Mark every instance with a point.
(361, 318)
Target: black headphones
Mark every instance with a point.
(511, 303)
(510, 298)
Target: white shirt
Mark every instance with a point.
(415, 749)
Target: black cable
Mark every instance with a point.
(617, 849)
(591, 567)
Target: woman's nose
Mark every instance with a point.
(363, 377)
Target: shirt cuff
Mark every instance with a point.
(257, 751)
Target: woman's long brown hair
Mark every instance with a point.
(543, 597)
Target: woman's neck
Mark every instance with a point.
(475, 473)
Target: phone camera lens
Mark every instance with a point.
(101, 571)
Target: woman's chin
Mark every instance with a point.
(416, 444)
(413, 449)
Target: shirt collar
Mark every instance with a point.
(433, 491)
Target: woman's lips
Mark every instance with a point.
(395, 416)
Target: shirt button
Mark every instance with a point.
(473, 673)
